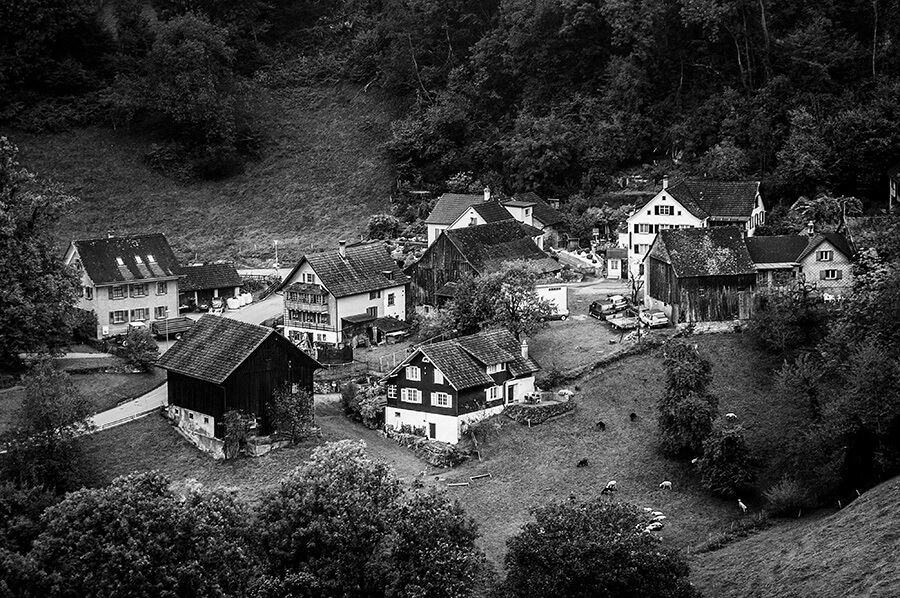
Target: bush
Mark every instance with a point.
(84, 325)
(685, 422)
(139, 348)
(348, 398)
(550, 377)
(686, 369)
(727, 465)
(787, 497)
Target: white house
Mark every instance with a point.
(691, 204)
(332, 296)
(823, 260)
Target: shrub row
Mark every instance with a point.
(538, 414)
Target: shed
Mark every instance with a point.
(203, 282)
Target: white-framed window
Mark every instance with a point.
(140, 314)
(151, 259)
(374, 294)
(413, 372)
(826, 255)
(390, 299)
(493, 368)
(88, 293)
(139, 290)
(120, 261)
(392, 391)
(411, 395)
(117, 292)
(160, 312)
(372, 311)
(614, 264)
(320, 338)
(641, 248)
(473, 221)
(441, 399)
(492, 393)
(162, 287)
(438, 376)
(665, 210)
(831, 274)
(644, 229)
(309, 278)
(118, 317)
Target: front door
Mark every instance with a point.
(432, 431)
(510, 394)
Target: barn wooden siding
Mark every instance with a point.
(441, 263)
(701, 299)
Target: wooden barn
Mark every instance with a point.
(473, 250)
(700, 275)
(222, 365)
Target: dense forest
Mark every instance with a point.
(556, 96)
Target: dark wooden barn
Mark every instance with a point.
(700, 275)
(222, 365)
(473, 251)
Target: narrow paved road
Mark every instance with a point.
(257, 312)
(131, 410)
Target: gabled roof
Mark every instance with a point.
(716, 199)
(614, 253)
(463, 360)
(143, 257)
(838, 240)
(450, 206)
(216, 346)
(543, 211)
(780, 249)
(486, 246)
(360, 270)
(492, 211)
(716, 251)
(209, 276)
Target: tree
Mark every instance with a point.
(237, 427)
(686, 370)
(686, 421)
(293, 413)
(383, 226)
(135, 537)
(827, 211)
(52, 415)
(38, 291)
(727, 464)
(139, 348)
(592, 549)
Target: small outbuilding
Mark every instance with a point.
(204, 282)
(221, 365)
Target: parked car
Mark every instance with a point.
(654, 318)
(625, 321)
(611, 305)
(173, 327)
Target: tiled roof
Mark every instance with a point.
(358, 271)
(449, 206)
(778, 249)
(838, 240)
(543, 211)
(616, 253)
(389, 324)
(488, 245)
(306, 287)
(213, 348)
(486, 348)
(492, 211)
(457, 366)
(717, 251)
(209, 276)
(716, 199)
(143, 257)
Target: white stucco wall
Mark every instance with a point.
(811, 268)
(193, 422)
(434, 230)
(680, 218)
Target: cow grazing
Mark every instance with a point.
(666, 485)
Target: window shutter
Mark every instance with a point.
(822, 275)
(840, 274)
(110, 292)
(655, 228)
(636, 228)
(111, 316)
(656, 210)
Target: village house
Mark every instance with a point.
(336, 296)
(472, 250)
(822, 260)
(223, 365)
(700, 275)
(691, 204)
(204, 282)
(529, 208)
(441, 387)
(126, 281)
(616, 263)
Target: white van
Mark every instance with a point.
(558, 296)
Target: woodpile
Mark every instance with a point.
(433, 452)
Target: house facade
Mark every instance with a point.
(223, 365)
(700, 275)
(331, 296)
(126, 281)
(472, 251)
(455, 209)
(529, 208)
(441, 388)
(204, 282)
(821, 260)
(616, 263)
(691, 204)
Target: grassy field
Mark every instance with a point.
(323, 172)
(105, 391)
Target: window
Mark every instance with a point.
(151, 259)
(162, 288)
(825, 256)
(664, 210)
(495, 367)
(88, 293)
(392, 391)
(372, 311)
(324, 319)
(160, 312)
(641, 248)
(527, 211)
(310, 278)
(120, 261)
(411, 395)
(614, 264)
(831, 275)
(118, 317)
(320, 338)
(374, 294)
(438, 376)
(413, 373)
(140, 314)
(390, 299)
(117, 292)
(138, 259)
(642, 229)
(473, 221)
(441, 399)
(205, 420)
(139, 290)
(190, 416)
(493, 393)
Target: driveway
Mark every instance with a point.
(258, 312)
(133, 409)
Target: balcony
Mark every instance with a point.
(308, 325)
(304, 306)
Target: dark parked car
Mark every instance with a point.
(606, 307)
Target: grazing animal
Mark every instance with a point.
(730, 416)
(658, 518)
(654, 526)
(606, 492)
(611, 486)
(601, 426)
(649, 510)
(666, 485)
(582, 463)
(655, 513)
(742, 506)
(633, 416)
(695, 460)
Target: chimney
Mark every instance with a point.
(487, 194)
(810, 228)
(665, 182)
(524, 349)
(389, 274)
(342, 248)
